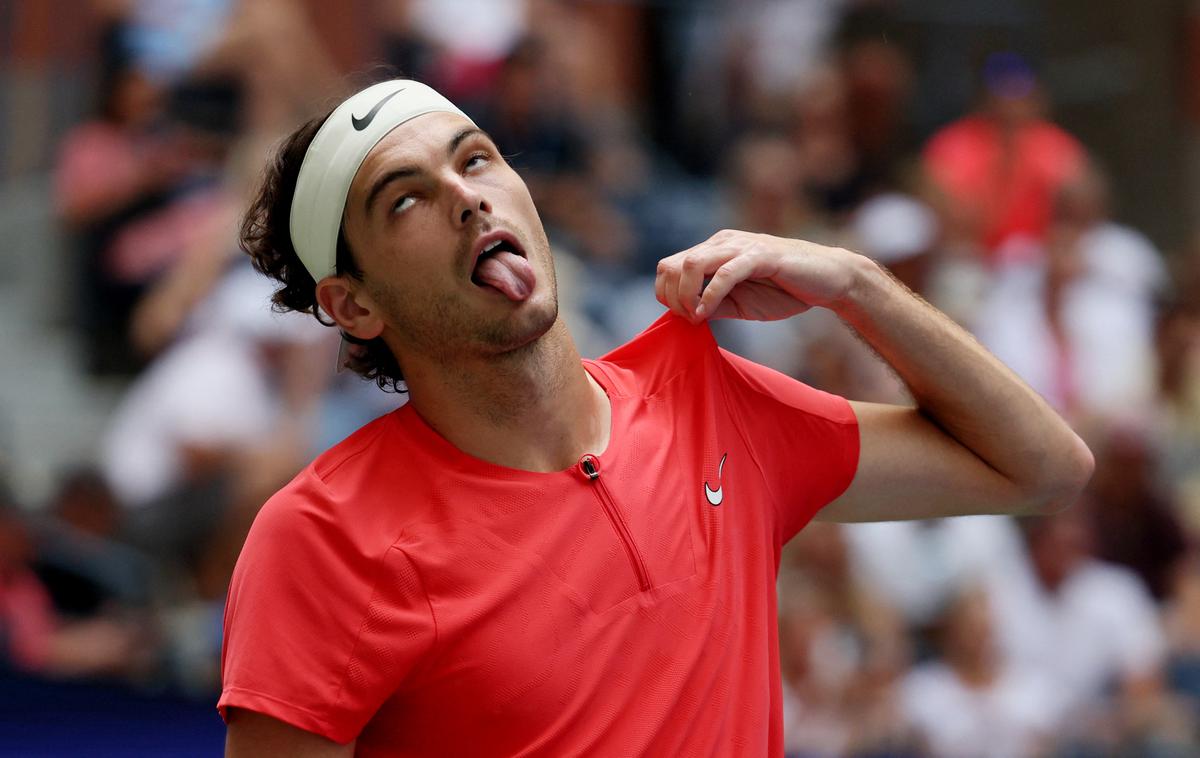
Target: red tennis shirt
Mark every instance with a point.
(428, 603)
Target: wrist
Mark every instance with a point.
(865, 279)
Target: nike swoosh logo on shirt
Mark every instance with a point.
(362, 123)
(715, 497)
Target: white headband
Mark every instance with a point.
(333, 158)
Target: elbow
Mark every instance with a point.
(1064, 477)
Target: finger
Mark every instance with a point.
(724, 279)
(666, 273)
(692, 269)
(696, 264)
(669, 276)
(660, 283)
(667, 283)
(680, 276)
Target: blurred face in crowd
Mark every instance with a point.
(1016, 110)
(968, 639)
(768, 177)
(419, 212)
(134, 100)
(1057, 545)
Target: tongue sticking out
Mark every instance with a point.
(509, 273)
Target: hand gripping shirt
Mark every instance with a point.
(428, 603)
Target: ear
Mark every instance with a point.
(350, 307)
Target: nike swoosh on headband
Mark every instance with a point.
(362, 123)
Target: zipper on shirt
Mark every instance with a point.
(589, 466)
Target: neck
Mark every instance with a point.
(534, 408)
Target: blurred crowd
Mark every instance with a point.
(1076, 634)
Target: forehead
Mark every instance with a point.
(419, 142)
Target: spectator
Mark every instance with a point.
(205, 422)
(901, 233)
(841, 650)
(996, 171)
(877, 67)
(205, 120)
(835, 176)
(781, 46)
(86, 570)
(168, 38)
(527, 111)
(470, 39)
(112, 169)
(973, 703)
(1177, 348)
(1089, 625)
(1076, 320)
(765, 180)
(1134, 523)
(33, 637)
(920, 566)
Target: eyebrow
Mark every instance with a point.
(405, 172)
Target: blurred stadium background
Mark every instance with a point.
(1033, 168)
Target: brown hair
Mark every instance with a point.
(266, 236)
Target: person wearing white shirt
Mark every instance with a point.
(973, 702)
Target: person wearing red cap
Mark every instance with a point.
(542, 555)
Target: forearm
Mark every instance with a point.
(965, 390)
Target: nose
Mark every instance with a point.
(467, 201)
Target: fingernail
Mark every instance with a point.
(700, 310)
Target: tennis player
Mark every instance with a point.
(543, 555)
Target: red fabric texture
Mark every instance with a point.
(428, 603)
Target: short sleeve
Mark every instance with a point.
(804, 440)
(319, 629)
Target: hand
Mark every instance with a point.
(755, 277)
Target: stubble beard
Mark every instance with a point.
(445, 327)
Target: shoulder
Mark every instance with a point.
(753, 385)
(341, 460)
(672, 349)
(339, 504)
(1102, 579)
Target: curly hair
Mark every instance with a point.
(266, 237)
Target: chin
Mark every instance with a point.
(531, 321)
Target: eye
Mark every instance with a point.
(403, 204)
(476, 159)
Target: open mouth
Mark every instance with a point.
(501, 265)
(491, 250)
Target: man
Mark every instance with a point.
(540, 555)
(996, 170)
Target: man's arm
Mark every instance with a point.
(979, 441)
(255, 735)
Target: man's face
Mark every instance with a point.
(422, 211)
